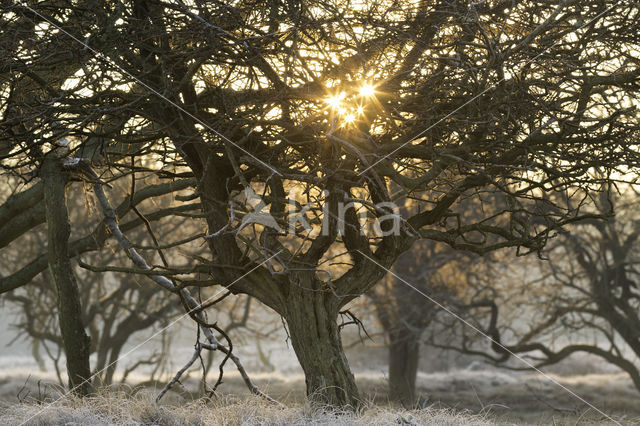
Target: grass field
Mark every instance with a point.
(141, 410)
(455, 398)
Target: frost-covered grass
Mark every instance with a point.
(459, 397)
(140, 409)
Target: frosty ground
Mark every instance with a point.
(456, 397)
(453, 390)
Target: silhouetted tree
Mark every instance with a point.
(333, 101)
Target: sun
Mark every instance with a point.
(335, 102)
(349, 118)
(346, 107)
(367, 90)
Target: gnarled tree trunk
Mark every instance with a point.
(75, 339)
(312, 319)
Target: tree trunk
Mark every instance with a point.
(312, 320)
(113, 362)
(404, 351)
(75, 340)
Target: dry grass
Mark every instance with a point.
(456, 398)
(140, 409)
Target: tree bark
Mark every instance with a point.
(312, 320)
(404, 351)
(75, 340)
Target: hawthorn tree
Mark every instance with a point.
(443, 274)
(445, 278)
(318, 107)
(113, 307)
(582, 297)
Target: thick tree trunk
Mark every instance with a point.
(404, 351)
(313, 327)
(76, 342)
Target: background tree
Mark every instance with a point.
(114, 307)
(586, 297)
(440, 274)
(448, 100)
(436, 270)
